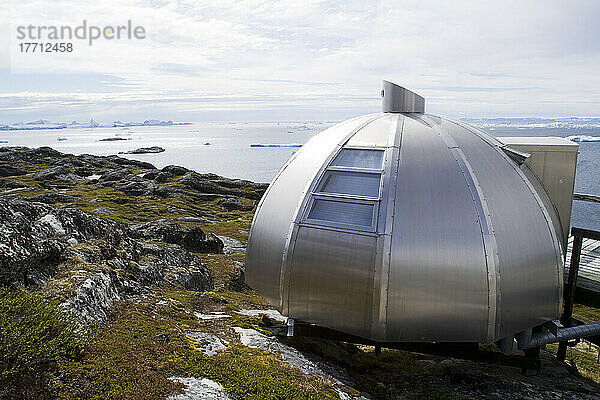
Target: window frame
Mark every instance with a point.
(336, 224)
(328, 171)
(348, 198)
(369, 148)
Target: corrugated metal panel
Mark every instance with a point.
(437, 249)
(529, 260)
(457, 243)
(331, 282)
(279, 206)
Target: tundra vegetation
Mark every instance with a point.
(116, 276)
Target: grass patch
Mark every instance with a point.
(37, 339)
(586, 314)
(584, 358)
(222, 268)
(132, 356)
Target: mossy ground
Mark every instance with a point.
(144, 341)
(584, 355)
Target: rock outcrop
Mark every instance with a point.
(36, 239)
(74, 236)
(144, 150)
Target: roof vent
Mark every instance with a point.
(397, 99)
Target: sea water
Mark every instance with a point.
(256, 151)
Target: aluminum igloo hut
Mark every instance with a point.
(407, 227)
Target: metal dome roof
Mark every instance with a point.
(404, 226)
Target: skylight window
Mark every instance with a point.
(359, 158)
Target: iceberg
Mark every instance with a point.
(583, 138)
(45, 124)
(531, 123)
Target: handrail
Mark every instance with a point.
(591, 198)
(569, 293)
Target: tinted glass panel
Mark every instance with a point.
(359, 158)
(357, 183)
(345, 213)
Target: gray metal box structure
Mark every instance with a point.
(553, 160)
(406, 227)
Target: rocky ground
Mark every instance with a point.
(151, 263)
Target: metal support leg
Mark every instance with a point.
(569, 295)
(378, 349)
(533, 354)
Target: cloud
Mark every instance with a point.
(501, 58)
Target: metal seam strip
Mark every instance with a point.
(284, 272)
(394, 149)
(386, 211)
(560, 260)
(487, 231)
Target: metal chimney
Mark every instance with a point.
(397, 99)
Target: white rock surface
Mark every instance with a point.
(212, 315)
(255, 339)
(200, 389)
(52, 222)
(209, 343)
(273, 314)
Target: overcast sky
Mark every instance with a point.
(304, 60)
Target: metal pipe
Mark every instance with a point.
(564, 334)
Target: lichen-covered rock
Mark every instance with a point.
(163, 177)
(58, 173)
(97, 294)
(139, 188)
(175, 170)
(117, 175)
(192, 239)
(234, 204)
(6, 170)
(53, 198)
(36, 239)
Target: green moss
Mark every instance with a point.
(239, 300)
(586, 314)
(132, 356)
(584, 358)
(36, 339)
(257, 374)
(124, 208)
(232, 227)
(222, 268)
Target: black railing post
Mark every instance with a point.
(569, 293)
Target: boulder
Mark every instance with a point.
(6, 170)
(163, 177)
(192, 239)
(58, 173)
(231, 204)
(117, 175)
(53, 198)
(145, 150)
(175, 170)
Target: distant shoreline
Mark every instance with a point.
(45, 124)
